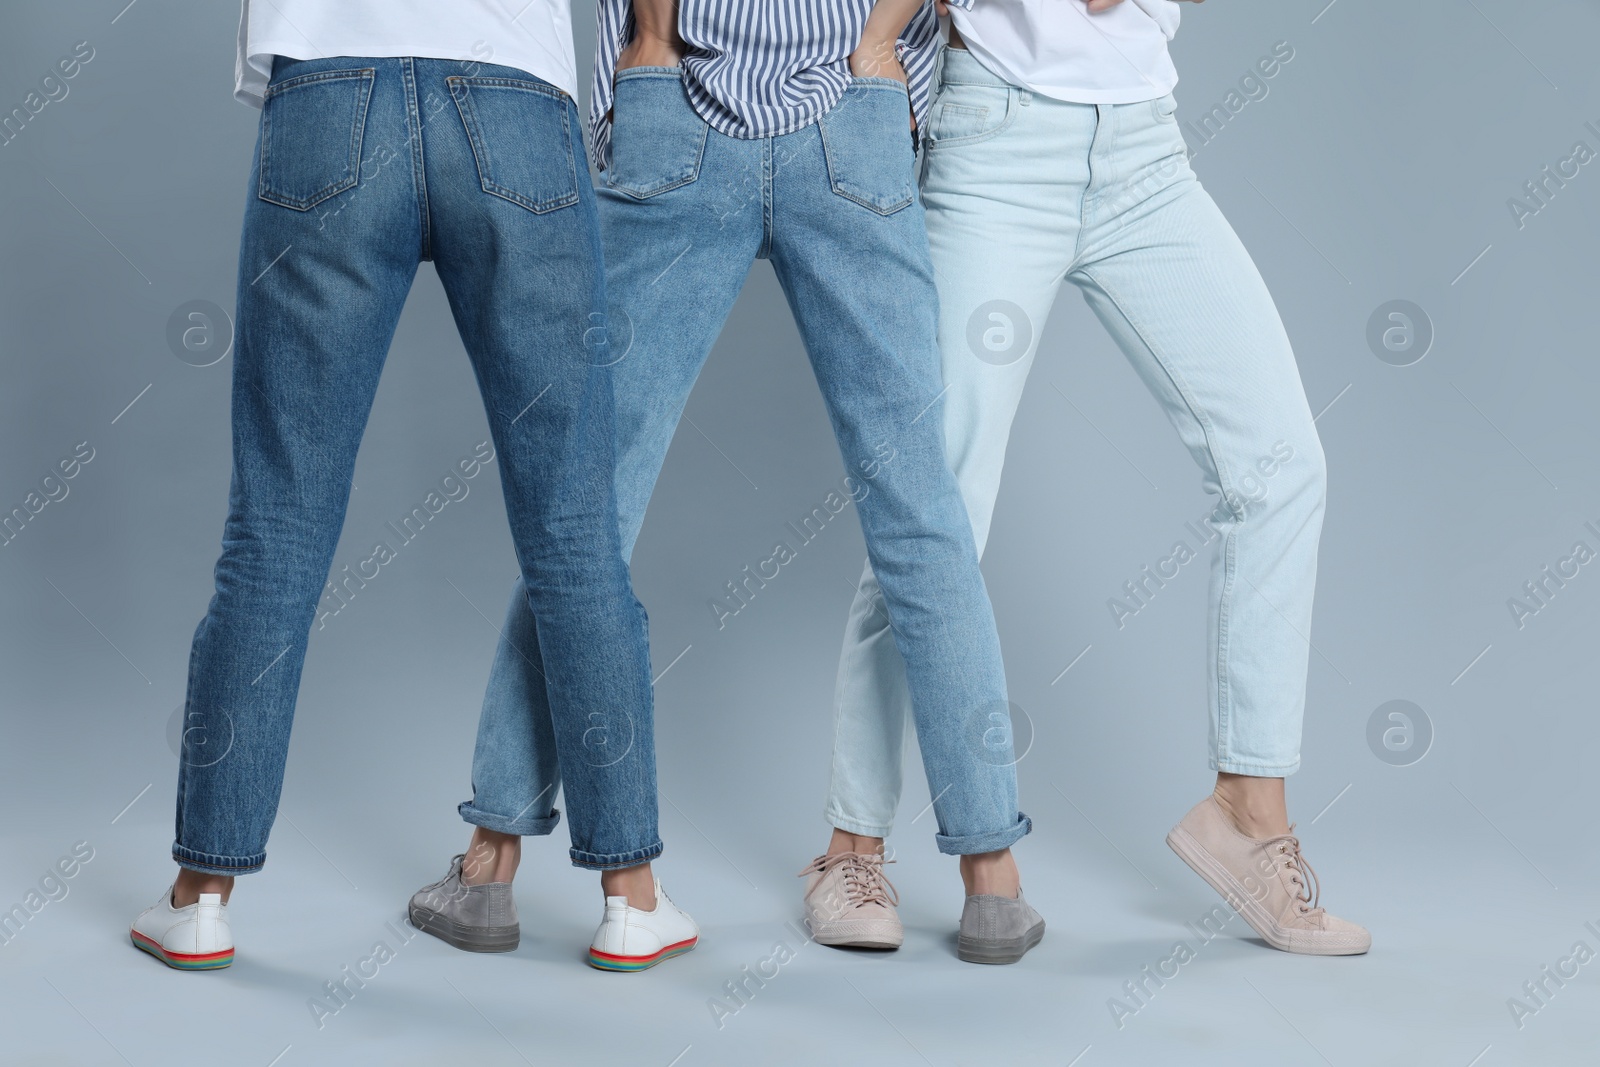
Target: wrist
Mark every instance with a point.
(658, 38)
(879, 42)
(650, 50)
(875, 52)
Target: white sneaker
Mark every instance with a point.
(631, 939)
(195, 938)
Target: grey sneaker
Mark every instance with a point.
(850, 904)
(478, 918)
(997, 929)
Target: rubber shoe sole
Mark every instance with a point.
(876, 944)
(1007, 950)
(467, 938)
(605, 961)
(854, 935)
(1217, 876)
(183, 961)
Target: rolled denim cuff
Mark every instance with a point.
(525, 826)
(1255, 770)
(213, 863)
(840, 821)
(598, 861)
(993, 841)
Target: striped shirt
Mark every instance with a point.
(761, 68)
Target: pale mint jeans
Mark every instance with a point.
(1023, 193)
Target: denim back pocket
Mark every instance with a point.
(521, 135)
(311, 130)
(866, 139)
(657, 137)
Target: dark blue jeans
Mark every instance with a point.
(365, 168)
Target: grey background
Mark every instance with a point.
(1378, 167)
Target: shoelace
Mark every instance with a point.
(864, 880)
(454, 872)
(455, 866)
(1304, 876)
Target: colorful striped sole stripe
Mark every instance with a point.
(183, 961)
(608, 962)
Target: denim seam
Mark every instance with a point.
(768, 208)
(419, 173)
(1224, 480)
(833, 749)
(1224, 614)
(183, 765)
(1108, 119)
(1083, 200)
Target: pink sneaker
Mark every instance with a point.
(850, 904)
(1267, 881)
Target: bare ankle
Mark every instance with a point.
(991, 874)
(189, 884)
(638, 884)
(490, 857)
(845, 841)
(1255, 805)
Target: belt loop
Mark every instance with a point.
(1027, 97)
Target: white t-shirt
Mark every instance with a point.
(1056, 48)
(539, 41)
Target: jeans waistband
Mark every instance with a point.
(284, 67)
(961, 67)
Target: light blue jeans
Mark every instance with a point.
(1023, 192)
(685, 212)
